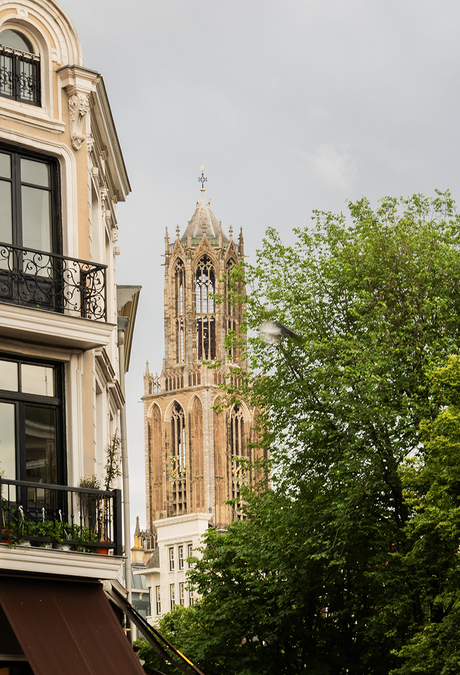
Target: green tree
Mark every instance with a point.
(376, 302)
(182, 629)
(432, 490)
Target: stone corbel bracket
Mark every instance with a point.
(79, 84)
(78, 108)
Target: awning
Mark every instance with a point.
(67, 627)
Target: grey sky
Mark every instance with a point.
(291, 106)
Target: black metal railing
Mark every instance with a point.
(78, 519)
(53, 282)
(19, 75)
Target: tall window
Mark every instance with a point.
(180, 553)
(205, 308)
(19, 68)
(232, 310)
(178, 501)
(158, 599)
(181, 593)
(172, 596)
(179, 289)
(171, 559)
(238, 449)
(31, 412)
(178, 442)
(28, 201)
(237, 440)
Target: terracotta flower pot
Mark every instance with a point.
(6, 536)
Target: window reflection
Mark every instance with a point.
(40, 444)
(8, 376)
(7, 440)
(38, 380)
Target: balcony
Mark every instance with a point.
(53, 282)
(19, 75)
(57, 516)
(71, 294)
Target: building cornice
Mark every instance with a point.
(64, 563)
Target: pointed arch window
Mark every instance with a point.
(237, 437)
(179, 282)
(179, 292)
(238, 452)
(232, 309)
(205, 308)
(19, 68)
(178, 442)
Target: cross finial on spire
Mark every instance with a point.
(202, 179)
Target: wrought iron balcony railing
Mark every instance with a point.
(19, 75)
(78, 519)
(53, 282)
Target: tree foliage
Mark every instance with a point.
(432, 490)
(318, 579)
(181, 628)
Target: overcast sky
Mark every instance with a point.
(291, 106)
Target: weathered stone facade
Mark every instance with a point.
(192, 452)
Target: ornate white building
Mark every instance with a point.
(61, 352)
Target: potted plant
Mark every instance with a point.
(112, 471)
(6, 531)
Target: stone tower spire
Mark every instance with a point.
(192, 452)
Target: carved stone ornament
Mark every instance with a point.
(78, 107)
(90, 142)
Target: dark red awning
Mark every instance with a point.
(67, 627)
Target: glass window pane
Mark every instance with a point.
(36, 173)
(6, 228)
(40, 444)
(11, 38)
(5, 165)
(37, 380)
(36, 219)
(8, 377)
(7, 441)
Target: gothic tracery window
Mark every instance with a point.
(178, 442)
(205, 308)
(179, 289)
(238, 452)
(178, 462)
(232, 310)
(237, 440)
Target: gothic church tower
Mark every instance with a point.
(193, 453)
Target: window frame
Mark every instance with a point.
(205, 309)
(171, 558)
(16, 154)
(17, 57)
(158, 600)
(21, 399)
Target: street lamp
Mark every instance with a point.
(272, 332)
